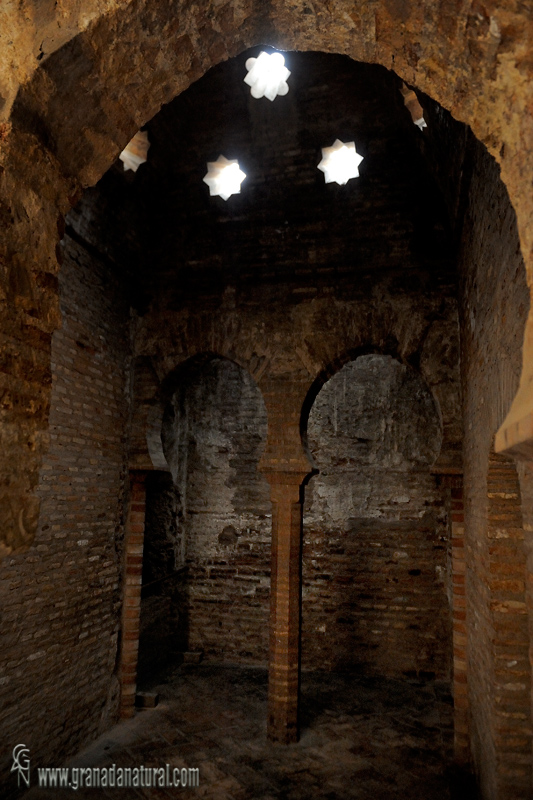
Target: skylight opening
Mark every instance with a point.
(412, 104)
(224, 177)
(136, 152)
(267, 75)
(340, 162)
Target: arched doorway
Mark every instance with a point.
(377, 572)
(209, 597)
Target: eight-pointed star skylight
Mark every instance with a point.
(224, 177)
(267, 75)
(136, 152)
(340, 162)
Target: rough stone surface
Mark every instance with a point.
(364, 738)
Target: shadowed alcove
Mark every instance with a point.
(214, 510)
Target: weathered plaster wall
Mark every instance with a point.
(213, 434)
(375, 533)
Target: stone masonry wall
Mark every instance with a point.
(375, 538)
(495, 304)
(60, 613)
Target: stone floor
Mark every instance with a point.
(362, 737)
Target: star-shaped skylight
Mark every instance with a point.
(340, 162)
(412, 104)
(224, 177)
(267, 75)
(136, 152)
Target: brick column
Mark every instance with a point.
(285, 465)
(131, 609)
(285, 590)
(460, 688)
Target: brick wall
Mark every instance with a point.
(395, 33)
(494, 307)
(287, 224)
(131, 592)
(214, 432)
(60, 612)
(290, 280)
(375, 537)
(525, 476)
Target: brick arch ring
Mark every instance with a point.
(351, 355)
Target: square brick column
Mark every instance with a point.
(285, 465)
(285, 591)
(131, 609)
(498, 645)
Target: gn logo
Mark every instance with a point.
(21, 763)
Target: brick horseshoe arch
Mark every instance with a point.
(347, 357)
(152, 396)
